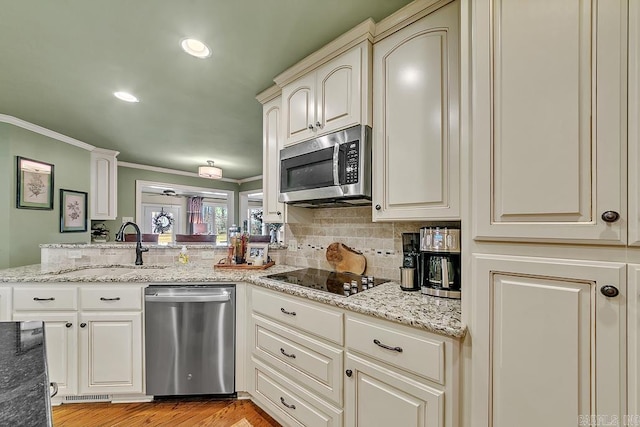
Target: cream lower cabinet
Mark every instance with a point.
(416, 137)
(5, 303)
(93, 336)
(633, 340)
(295, 368)
(398, 375)
(549, 347)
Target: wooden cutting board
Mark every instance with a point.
(344, 259)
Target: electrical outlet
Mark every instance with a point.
(292, 246)
(207, 255)
(74, 254)
(127, 219)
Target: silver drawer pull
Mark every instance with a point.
(386, 347)
(293, 356)
(286, 404)
(109, 299)
(290, 313)
(44, 299)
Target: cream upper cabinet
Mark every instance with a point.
(104, 184)
(273, 210)
(549, 120)
(553, 344)
(416, 135)
(634, 124)
(332, 97)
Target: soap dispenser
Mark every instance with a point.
(183, 258)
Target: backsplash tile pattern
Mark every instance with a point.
(380, 242)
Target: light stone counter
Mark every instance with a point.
(386, 301)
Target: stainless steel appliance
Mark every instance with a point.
(439, 263)
(327, 281)
(190, 339)
(410, 252)
(332, 170)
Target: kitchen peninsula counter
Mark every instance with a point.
(386, 301)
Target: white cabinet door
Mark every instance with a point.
(378, 396)
(338, 92)
(634, 124)
(549, 346)
(549, 120)
(273, 210)
(633, 339)
(61, 338)
(416, 113)
(104, 184)
(5, 303)
(299, 109)
(110, 353)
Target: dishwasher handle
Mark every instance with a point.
(223, 297)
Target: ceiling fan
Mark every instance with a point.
(166, 192)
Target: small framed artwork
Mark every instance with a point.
(34, 184)
(257, 250)
(73, 211)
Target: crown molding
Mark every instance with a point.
(407, 15)
(45, 132)
(268, 94)
(178, 172)
(363, 31)
(252, 178)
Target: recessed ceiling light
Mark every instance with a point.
(195, 48)
(125, 96)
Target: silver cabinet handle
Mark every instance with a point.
(293, 356)
(318, 125)
(290, 313)
(310, 127)
(386, 347)
(286, 404)
(44, 299)
(109, 299)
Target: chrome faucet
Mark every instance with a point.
(139, 248)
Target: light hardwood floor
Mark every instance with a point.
(174, 412)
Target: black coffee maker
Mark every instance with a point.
(409, 280)
(439, 262)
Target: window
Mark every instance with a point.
(215, 215)
(255, 220)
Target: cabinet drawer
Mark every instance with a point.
(314, 364)
(291, 404)
(111, 298)
(44, 298)
(313, 319)
(406, 349)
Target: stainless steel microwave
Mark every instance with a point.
(332, 170)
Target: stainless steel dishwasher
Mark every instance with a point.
(190, 339)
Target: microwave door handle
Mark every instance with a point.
(336, 164)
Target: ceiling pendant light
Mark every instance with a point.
(210, 171)
(126, 96)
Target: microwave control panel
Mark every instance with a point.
(352, 161)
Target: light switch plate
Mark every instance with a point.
(292, 245)
(127, 219)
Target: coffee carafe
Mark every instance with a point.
(439, 262)
(410, 253)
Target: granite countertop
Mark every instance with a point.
(24, 383)
(387, 301)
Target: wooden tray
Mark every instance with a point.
(246, 266)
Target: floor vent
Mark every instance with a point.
(89, 398)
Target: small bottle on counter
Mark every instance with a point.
(183, 257)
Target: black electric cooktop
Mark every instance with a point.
(327, 281)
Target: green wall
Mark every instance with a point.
(251, 185)
(127, 191)
(26, 229)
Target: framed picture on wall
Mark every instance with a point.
(34, 184)
(73, 211)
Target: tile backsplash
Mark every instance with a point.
(380, 242)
